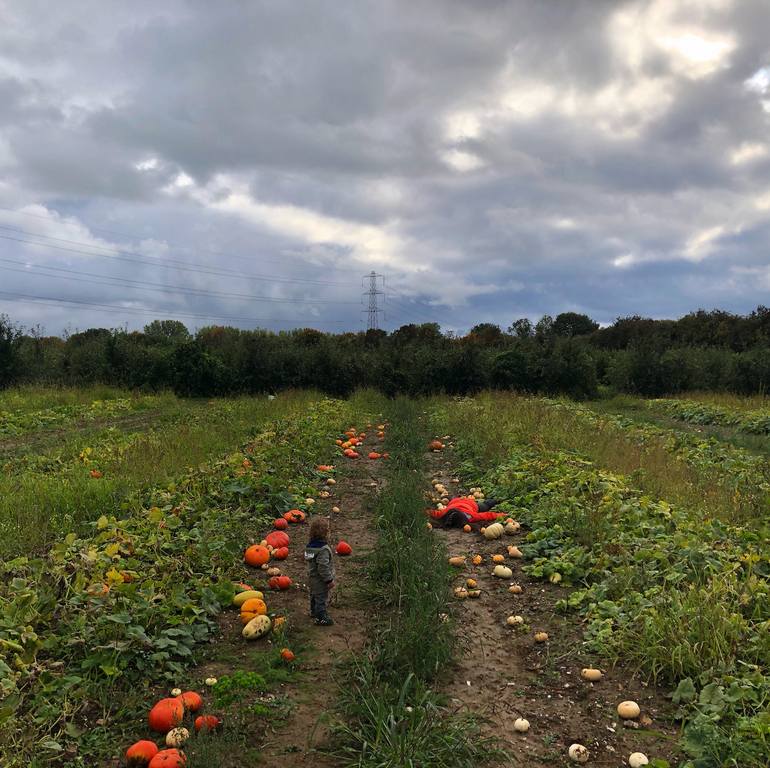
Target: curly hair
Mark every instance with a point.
(319, 528)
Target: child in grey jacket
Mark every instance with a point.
(318, 556)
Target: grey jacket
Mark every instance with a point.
(318, 556)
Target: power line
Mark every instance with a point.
(58, 301)
(143, 237)
(88, 277)
(134, 258)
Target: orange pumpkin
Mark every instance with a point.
(280, 524)
(165, 715)
(95, 473)
(281, 553)
(169, 758)
(350, 453)
(207, 723)
(287, 655)
(375, 455)
(325, 467)
(252, 608)
(294, 516)
(436, 445)
(279, 582)
(344, 549)
(256, 555)
(192, 701)
(338, 442)
(277, 539)
(139, 755)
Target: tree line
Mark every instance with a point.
(569, 354)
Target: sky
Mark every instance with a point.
(248, 163)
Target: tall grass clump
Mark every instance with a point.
(391, 716)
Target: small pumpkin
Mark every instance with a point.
(344, 549)
(471, 583)
(350, 453)
(514, 621)
(258, 627)
(578, 753)
(436, 445)
(515, 552)
(169, 758)
(138, 755)
(295, 516)
(515, 589)
(281, 524)
(502, 572)
(281, 553)
(287, 655)
(256, 555)
(628, 710)
(374, 455)
(279, 582)
(165, 715)
(176, 737)
(541, 637)
(494, 531)
(521, 725)
(467, 528)
(474, 593)
(325, 467)
(590, 674)
(498, 559)
(331, 481)
(251, 609)
(477, 560)
(273, 571)
(207, 723)
(512, 527)
(458, 561)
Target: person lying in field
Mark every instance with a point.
(463, 511)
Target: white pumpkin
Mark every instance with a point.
(177, 736)
(628, 710)
(590, 674)
(637, 760)
(521, 725)
(514, 552)
(512, 528)
(578, 753)
(502, 572)
(494, 531)
(514, 621)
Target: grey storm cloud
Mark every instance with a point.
(249, 162)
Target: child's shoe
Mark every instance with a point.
(324, 621)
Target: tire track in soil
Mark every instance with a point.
(500, 673)
(303, 733)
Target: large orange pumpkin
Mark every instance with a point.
(277, 539)
(139, 755)
(256, 555)
(192, 701)
(169, 758)
(166, 714)
(280, 524)
(294, 516)
(252, 608)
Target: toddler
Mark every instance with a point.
(318, 556)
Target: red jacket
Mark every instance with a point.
(469, 508)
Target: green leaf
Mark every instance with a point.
(685, 692)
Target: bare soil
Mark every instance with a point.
(501, 673)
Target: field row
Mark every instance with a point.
(682, 598)
(755, 421)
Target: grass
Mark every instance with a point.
(392, 718)
(493, 421)
(48, 494)
(36, 398)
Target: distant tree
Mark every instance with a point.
(573, 324)
(522, 328)
(544, 328)
(196, 373)
(487, 334)
(10, 338)
(167, 331)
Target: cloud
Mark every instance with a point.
(493, 162)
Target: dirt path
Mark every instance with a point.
(502, 673)
(299, 738)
